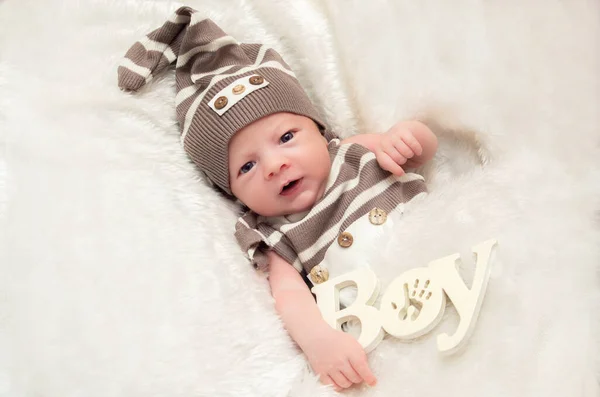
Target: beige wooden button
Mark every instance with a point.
(377, 216)
(345, 239)
(319, 274)
(221, 102)
(256, 80)
(238, 89)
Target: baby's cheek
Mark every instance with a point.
(241, 192)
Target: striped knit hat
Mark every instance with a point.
(222, 85)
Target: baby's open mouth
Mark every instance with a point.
(289, 187)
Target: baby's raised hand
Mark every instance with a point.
(339, 359)
(395, 148)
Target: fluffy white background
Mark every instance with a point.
(119, 274)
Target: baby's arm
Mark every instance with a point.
(409, 144)
(334, 355)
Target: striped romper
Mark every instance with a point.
(359, 194)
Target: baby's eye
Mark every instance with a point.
(247, 167)
(286, 137)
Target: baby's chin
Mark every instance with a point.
(304, 203)
(298, 206)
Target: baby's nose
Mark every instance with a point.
(275, 167)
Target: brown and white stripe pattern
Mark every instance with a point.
(206, 61)
(356, 185)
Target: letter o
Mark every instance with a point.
(413, 304)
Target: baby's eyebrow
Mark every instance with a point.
(244, 153)
(241, 162)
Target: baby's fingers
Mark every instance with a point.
(351, 374)
(413, 143)
(389, 147)
(340, 380)
(326, 380)
(388, 164)
(361, 366)
(403, 149)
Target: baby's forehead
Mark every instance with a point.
(245, 141)
(254, 133)
(248, 139)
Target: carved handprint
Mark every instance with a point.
(416, 294)
(416, 300)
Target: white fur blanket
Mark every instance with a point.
(119, 273)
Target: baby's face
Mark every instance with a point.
(279, 164)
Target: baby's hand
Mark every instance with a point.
(339, 359)
(395, 148)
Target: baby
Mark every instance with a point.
(280, 168)
(250, 128)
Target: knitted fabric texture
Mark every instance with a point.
(222, 85)
(356, 185)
